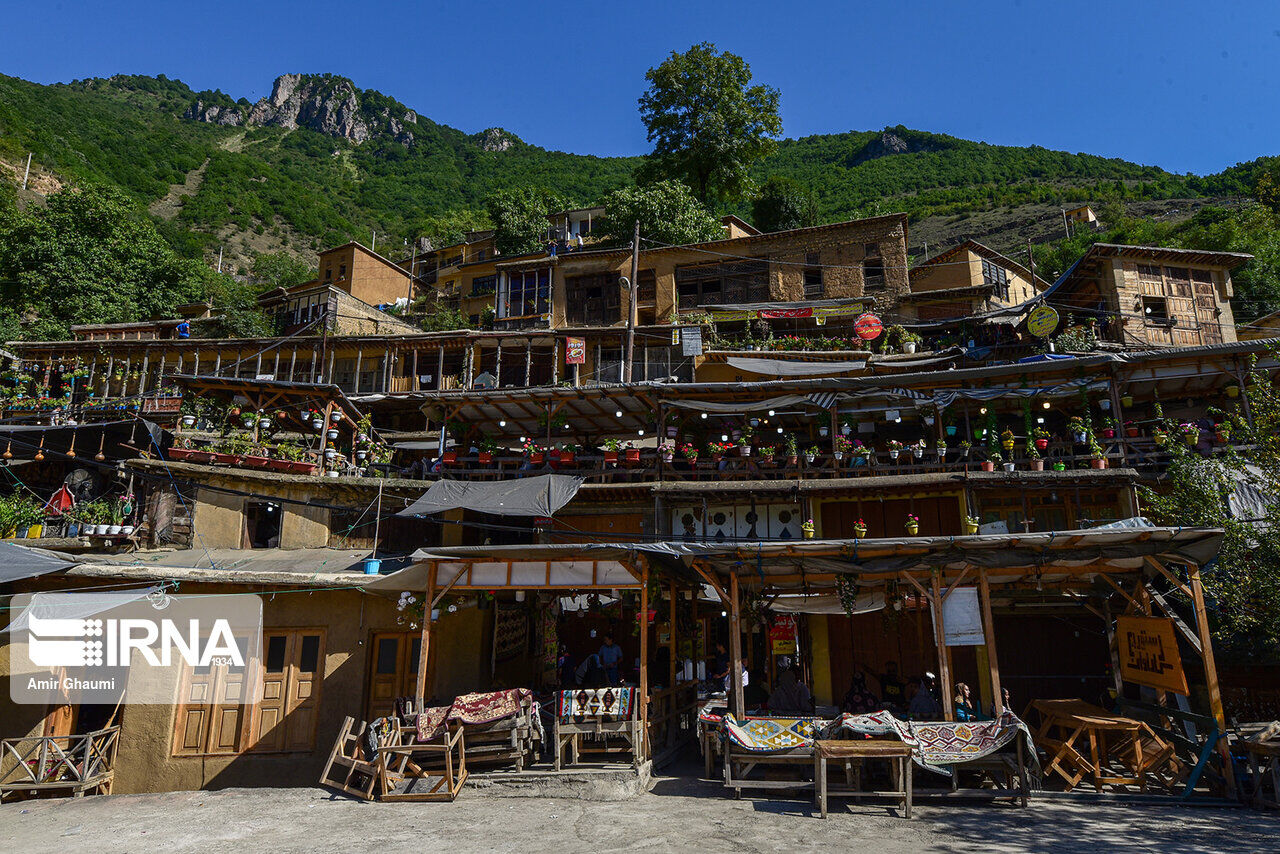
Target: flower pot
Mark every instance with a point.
(1191, 439)
(633, 455)
(611, 457)
(672, 432)
(1007, 444)
(1221, 438)
(336, 416)
(450, 457)
(256, 462)
(1042, 444)
(928, 420)
(744, 450)
(73, 530)
(1007, 466)
(1126, 400)
(667, 456)
(264, 423)
(567, 457)
(1037, 465)
(845, 429)
(838, 456)
(1131, 432)
(793, 460)
(809, 458)
(808, 534)
(970, 528)
(332, 434)
(485, 458)
(317, 424)
(1059, 466)
(918, 453)
(536, 458)
(824, 431)
(1108, 434)
(951, 429)
(715, 458)
(362, 438)
(302, 467)
(1079, 438)
(280, 465)
(1100, 463)
(909, 347)
(188, 421)
(126, 530)
(330, 453)
(859, 531)
(1104, 405)
(987, 465)
(553, 455)
(913, 528)
(893, 453)
(113, 530)
(360, 455)
(332, 473)
(1233, 391)
(226, 459)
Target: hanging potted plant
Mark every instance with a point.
(264, 421)
(842, 447)
(845, 428)
(1040, 438)
(807, 528)
(971, 525)
(912, 524)
(965, 446)
(336, 415)
(486, 449)
(667, 450)
(1160, 437)
(631, 453)
(989, 464)
(1077, 429)
(568, 452)
(859, 529)
(1232, 390)
(895, 448)
(791, 451)
(917, 449)
(1190, 433)
(824, 430)
(1222, 433)
(690, 452)
(1006, 440)
(331, 434)
(1108, 428)
(1104, 404)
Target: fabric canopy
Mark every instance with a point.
(531, 496)
(78, 606)
(788, 368)
(18, 562)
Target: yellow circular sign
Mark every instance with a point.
(1042, 321)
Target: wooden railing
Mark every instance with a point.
(72, 764)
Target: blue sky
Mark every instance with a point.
(1189, 86)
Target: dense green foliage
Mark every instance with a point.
(782, 204)
(667, 213)
(273, 270)
(1242, 586)
(91, 256)
(707, 123)
(520, 218)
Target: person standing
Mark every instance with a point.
(610, 657)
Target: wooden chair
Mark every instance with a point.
(347, 769)
(401, 775)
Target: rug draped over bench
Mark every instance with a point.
(939, 744)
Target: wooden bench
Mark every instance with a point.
(740, 761)
(401, 770)
(853, 753)
(599, 727)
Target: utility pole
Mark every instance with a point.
(374, 247)
(26, 174)
(1065, 227)
(1031, 264)
(219, 259)
(632, 314)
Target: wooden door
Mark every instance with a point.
(393, 671)
(291, 674)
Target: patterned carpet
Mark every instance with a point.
(765, 734)
(936, 745)
(613, 703)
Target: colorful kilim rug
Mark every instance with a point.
(475, 709)
(510, 632)
(764, 734)
(936, 745)
(614, 703)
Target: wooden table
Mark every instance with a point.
(1113, 739)
(1264, 754)
(854, 753)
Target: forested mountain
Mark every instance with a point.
(320, 161)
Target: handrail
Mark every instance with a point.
(43, 760)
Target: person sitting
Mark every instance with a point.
(790, 695)
(924, 706)
(892, 691)
(964, 704)
(859, 700)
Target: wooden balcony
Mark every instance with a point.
(73, 765)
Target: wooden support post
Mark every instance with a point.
(293, 363)
(528, 361)
(359, 361)
(989, 634)
(497, 366)
(737, 701)
(324, 435)
(413, 382)
(428, 603)
(644, 654)
(675, 644)
(940, 638)
(1211, 675)
(440, 369)
(1116, 679)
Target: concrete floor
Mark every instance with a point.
(678, 814)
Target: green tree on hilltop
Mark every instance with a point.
(708, 124)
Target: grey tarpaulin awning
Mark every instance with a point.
(789, 368)
(18, 562)
(530, 496)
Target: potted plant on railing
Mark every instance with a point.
(917, 449)
(667, 450)
(807, 529)
(294, 458)
(1098, 459)
(810, 454)
(485, 453)
(1131, 430)
(766, 454)
(971, 525)
(791, 451)
(1040, 439)
(533, 452)
(716, 450)
(842, 446)
(1033, 455)
(965, 447)
(859, 529)
(912, 524)
(1077, 429)
(1190, 433)
(1160, 437)
(630, 453)
(690, 452)
(895, 448)
(1222, 433)
(942, 449)
(744, 445)
(989, 464)
(1108, 428)
(568, 452)
(257, 458)
(1006, 440)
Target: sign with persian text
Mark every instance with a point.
(575, 351)
(1149, 653)
(691, 341)
(782, 635)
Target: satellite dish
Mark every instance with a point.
(84, 484)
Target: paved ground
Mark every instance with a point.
(677, 815)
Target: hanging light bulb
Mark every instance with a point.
(640, 432)
(704, 416)
(1045, 404)
(724, 437)
(770, 413)
(982, 411)
(502, 424)
(779, 429)
(618, 414)
(1039, 420)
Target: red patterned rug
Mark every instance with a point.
(480, 708)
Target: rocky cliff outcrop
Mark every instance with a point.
(892, 141)
(323, 103)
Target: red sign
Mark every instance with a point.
(575, 351)
(868, 327)
(782, 635)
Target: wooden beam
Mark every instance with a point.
(940, 634)
(735, 649)
(1133, 602)
(644, 654)
(424, 654)
(989, 633)
(1211, 675)
(1173, 579)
